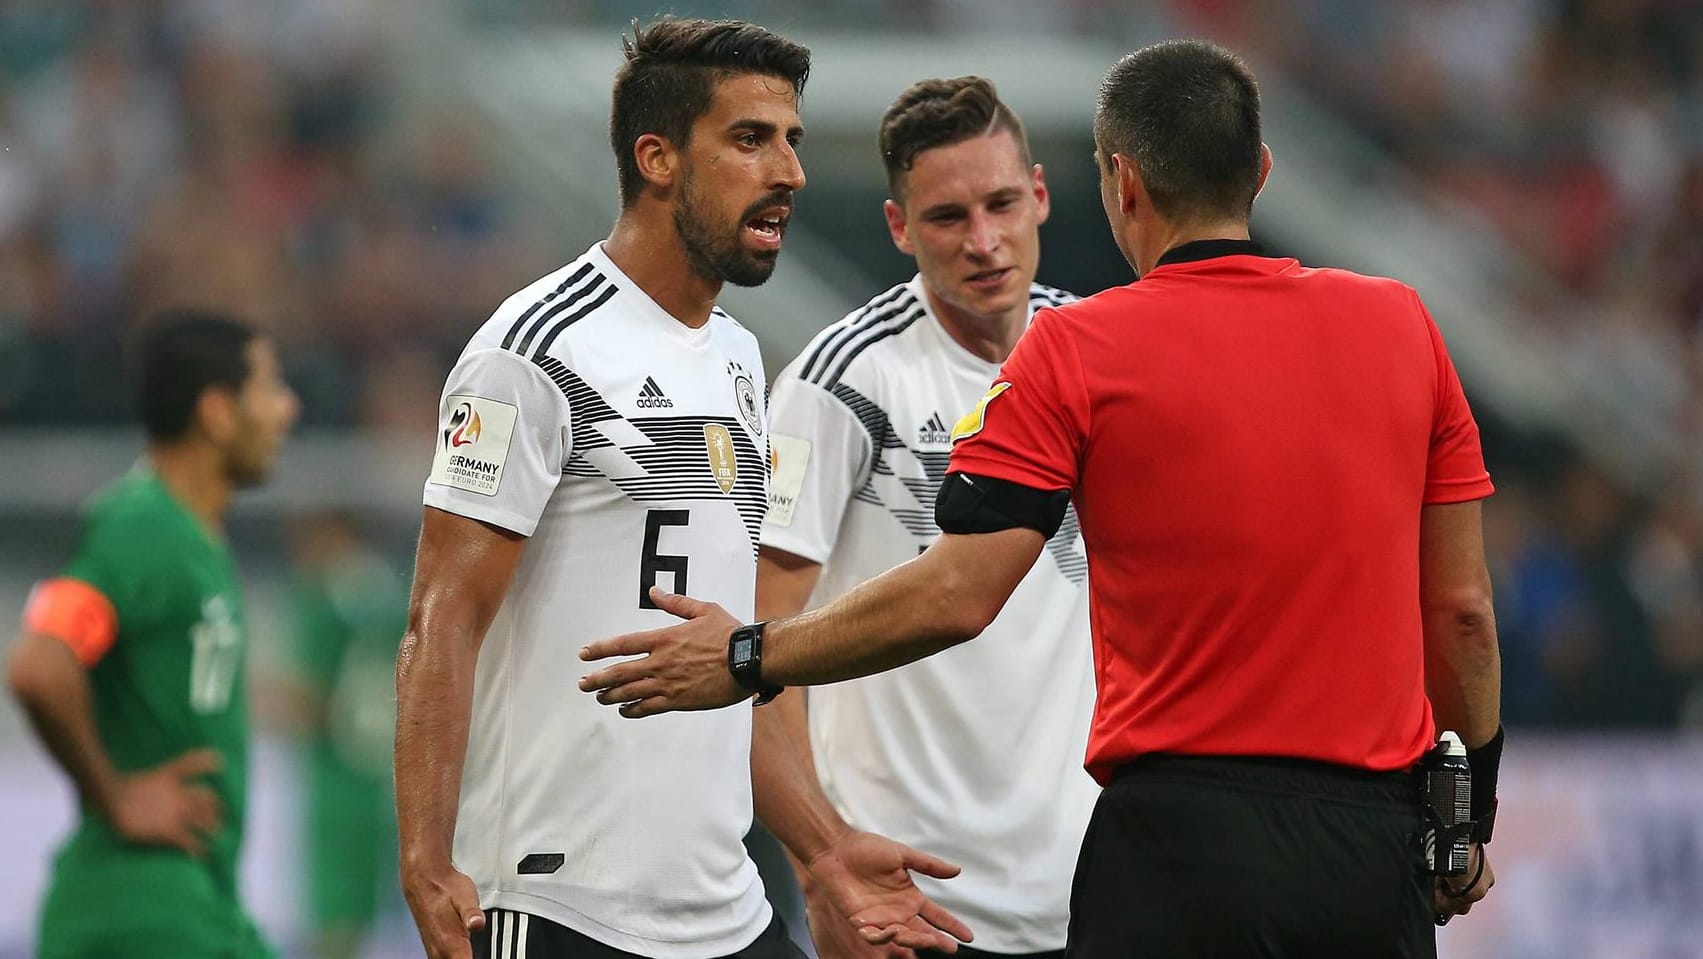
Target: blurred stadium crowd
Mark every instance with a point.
(256, 156)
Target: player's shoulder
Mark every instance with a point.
(133, 509)
(1042, 296)
(533, 318)
(846, 344)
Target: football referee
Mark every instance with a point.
(1278, 479)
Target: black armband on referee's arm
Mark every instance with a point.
(981, 504)
(1485, 761)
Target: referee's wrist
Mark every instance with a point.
(745, 662)
(1486, 763)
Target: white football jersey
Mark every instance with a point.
(974, 754)
(630, 448)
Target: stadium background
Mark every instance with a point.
(367, 179)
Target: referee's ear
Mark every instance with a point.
(1132, 191)
(657, 160)
(1265, 169)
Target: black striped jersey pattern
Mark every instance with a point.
(658, 459)
(887, 316)
(573, 300)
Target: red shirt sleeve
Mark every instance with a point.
(1031, 426)
(1455, 471)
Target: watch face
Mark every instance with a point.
(742, 649)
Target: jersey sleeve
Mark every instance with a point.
(504, 434)
(84, 605)
(1032, 425)
(1454, 471)
(821, 453)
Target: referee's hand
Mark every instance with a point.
(445, 905)
(681, 667)
(1453, 896)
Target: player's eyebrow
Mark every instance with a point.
(1004, 193)
(765, 128)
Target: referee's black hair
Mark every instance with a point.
(180, 355)
(1187, 114)
(671, 69)
(939, 113)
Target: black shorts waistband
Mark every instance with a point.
(1277, 775)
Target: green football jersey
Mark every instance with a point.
(172, 682)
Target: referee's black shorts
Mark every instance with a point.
(1190, 856)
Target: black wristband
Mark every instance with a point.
(1485, 761)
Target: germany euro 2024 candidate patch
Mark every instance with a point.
(789, 456)
(473, 443)
(971, 424)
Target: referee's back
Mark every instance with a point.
(1261, 439)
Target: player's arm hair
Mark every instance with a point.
(784, 788)
(942, 598)
(1463, 666)
(462, 570)
(52, 685)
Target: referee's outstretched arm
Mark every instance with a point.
(942, 598)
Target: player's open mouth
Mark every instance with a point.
(767, 227)
(990, 279)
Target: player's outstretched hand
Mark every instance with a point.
(835, 938)
(866, 879)
(683, 666)
(168, 806)
(1453, 897)
(445, 905)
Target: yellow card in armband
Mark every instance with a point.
(971, 424)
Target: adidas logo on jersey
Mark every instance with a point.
(650, 396)
(934, 432)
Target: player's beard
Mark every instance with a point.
(717, 253)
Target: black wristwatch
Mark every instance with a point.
(745, 662)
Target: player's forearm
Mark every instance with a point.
(788, 798)
(434, 698)
(1463, 668)
(53, 689)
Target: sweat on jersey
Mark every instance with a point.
(630, 448)
(974, 754)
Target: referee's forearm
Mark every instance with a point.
(434, 696)
(1463, 672)
(907, 613)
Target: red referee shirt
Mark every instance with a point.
(1248, 443)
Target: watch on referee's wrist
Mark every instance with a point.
(745, 662)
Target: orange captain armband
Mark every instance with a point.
(74, 613)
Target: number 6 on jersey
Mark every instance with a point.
(651, 562)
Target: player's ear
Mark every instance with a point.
(1043, 199)
(216, 414)
(896, 224)
(658, 161)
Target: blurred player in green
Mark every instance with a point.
(350, 607)
(131, 663)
